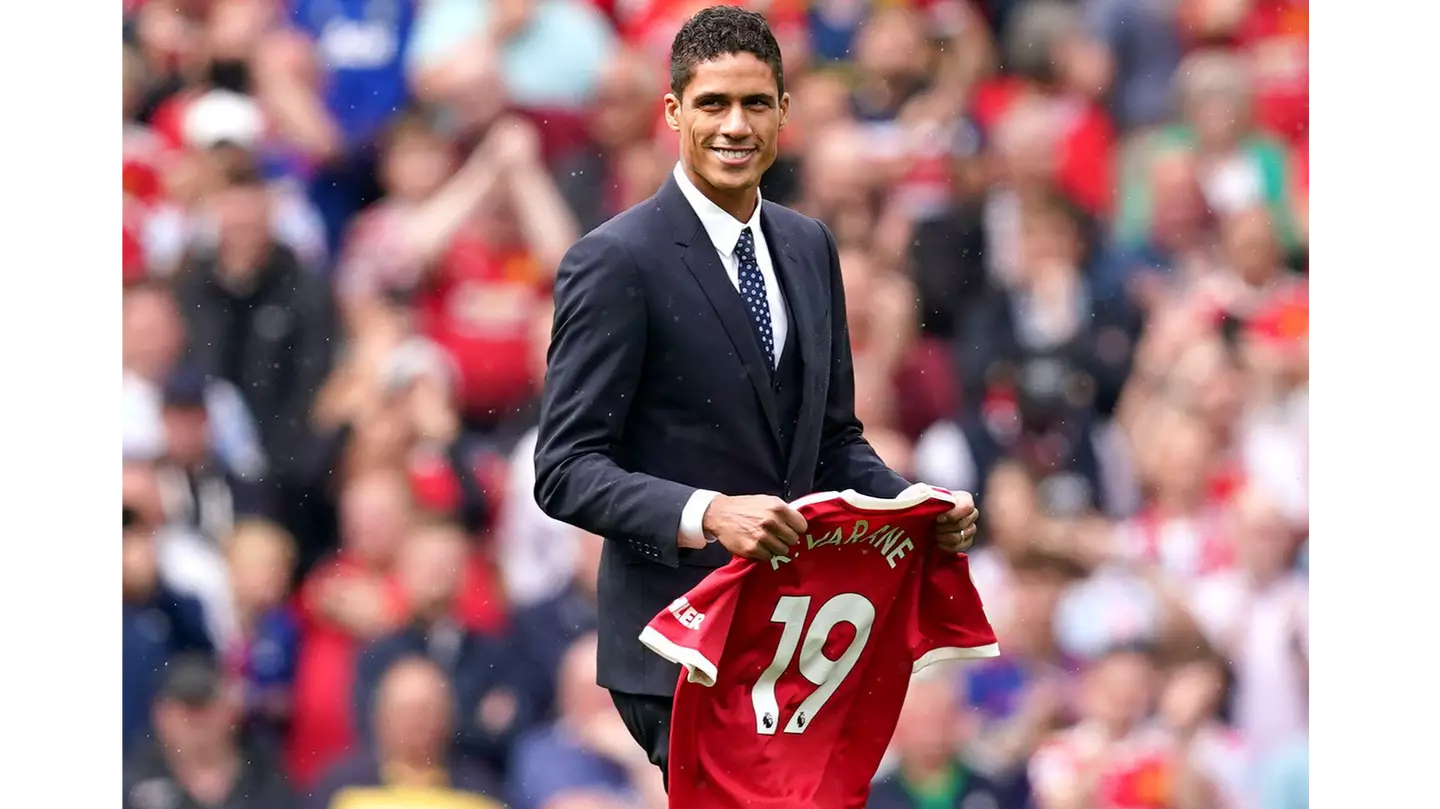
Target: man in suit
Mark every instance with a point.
(699, 374)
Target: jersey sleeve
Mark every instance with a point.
(691, 630)
(951, 622)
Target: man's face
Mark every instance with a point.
(187, 434)
(728, 122)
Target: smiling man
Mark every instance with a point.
(699, 375)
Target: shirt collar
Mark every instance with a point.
(722, 228)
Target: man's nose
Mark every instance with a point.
(736, 125)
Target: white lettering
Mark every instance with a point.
(896, 555)
(886, 537)
(687, 615)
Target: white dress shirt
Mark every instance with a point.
(724, 232)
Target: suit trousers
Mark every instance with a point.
(647, 718)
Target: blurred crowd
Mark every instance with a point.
(1074, 242)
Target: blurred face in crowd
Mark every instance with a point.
(1035, 593)
(139, 573)
(262, 557)
(1177, 202)
(578, 696)
(1266, 545)
(1026, 146)
(497, 222)
(412, 713)
(892, 45)
(1119, 689)
(234, 28)
(1193, 692)
(931, 727)
(153, 334)
(196, 732)
(1049, 244)
(834, 174)
(187, 434)
(623, 113)
(1250, 247)
(242, 218)
(416, 165)
(1218, 120)
(374, 516)
(1215, 87)
(1206, 378)
(823, 100)
(1184, 454)
(140, 490)
(429, 567)
(729, 120)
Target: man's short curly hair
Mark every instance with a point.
(717, 31)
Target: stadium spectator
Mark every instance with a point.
(411, 758)
(346, 601)
(158, 623)
(932, 732)
(261, 656)
(493, 700)
(546, 629)
(585, 757)
(197, 757)
(152, 342)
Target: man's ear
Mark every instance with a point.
(672, 111)
(784, 109)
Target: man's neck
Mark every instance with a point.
(739, 204)
(413, 769)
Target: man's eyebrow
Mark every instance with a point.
(723, 98)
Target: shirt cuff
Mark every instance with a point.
(692, 519)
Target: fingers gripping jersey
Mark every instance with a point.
(795, 669)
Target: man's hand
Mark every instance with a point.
(955, 529)
(756, 526)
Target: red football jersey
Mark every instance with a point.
(796, 668)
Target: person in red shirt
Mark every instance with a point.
(345, 601)
(1045, 43)
(469, 257)
(1275, 37)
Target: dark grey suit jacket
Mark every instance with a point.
(656, 386)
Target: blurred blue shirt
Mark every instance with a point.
(555, 61)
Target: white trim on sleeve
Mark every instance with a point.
(700, 669)
(956, 653)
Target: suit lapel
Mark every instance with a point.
(803, 317)
(703, 261)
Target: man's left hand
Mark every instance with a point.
(955, 529)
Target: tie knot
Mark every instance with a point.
(746, 244)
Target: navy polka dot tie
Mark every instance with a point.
(752, 292)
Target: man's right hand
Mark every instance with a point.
(756, 526)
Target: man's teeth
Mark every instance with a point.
(733, 154)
